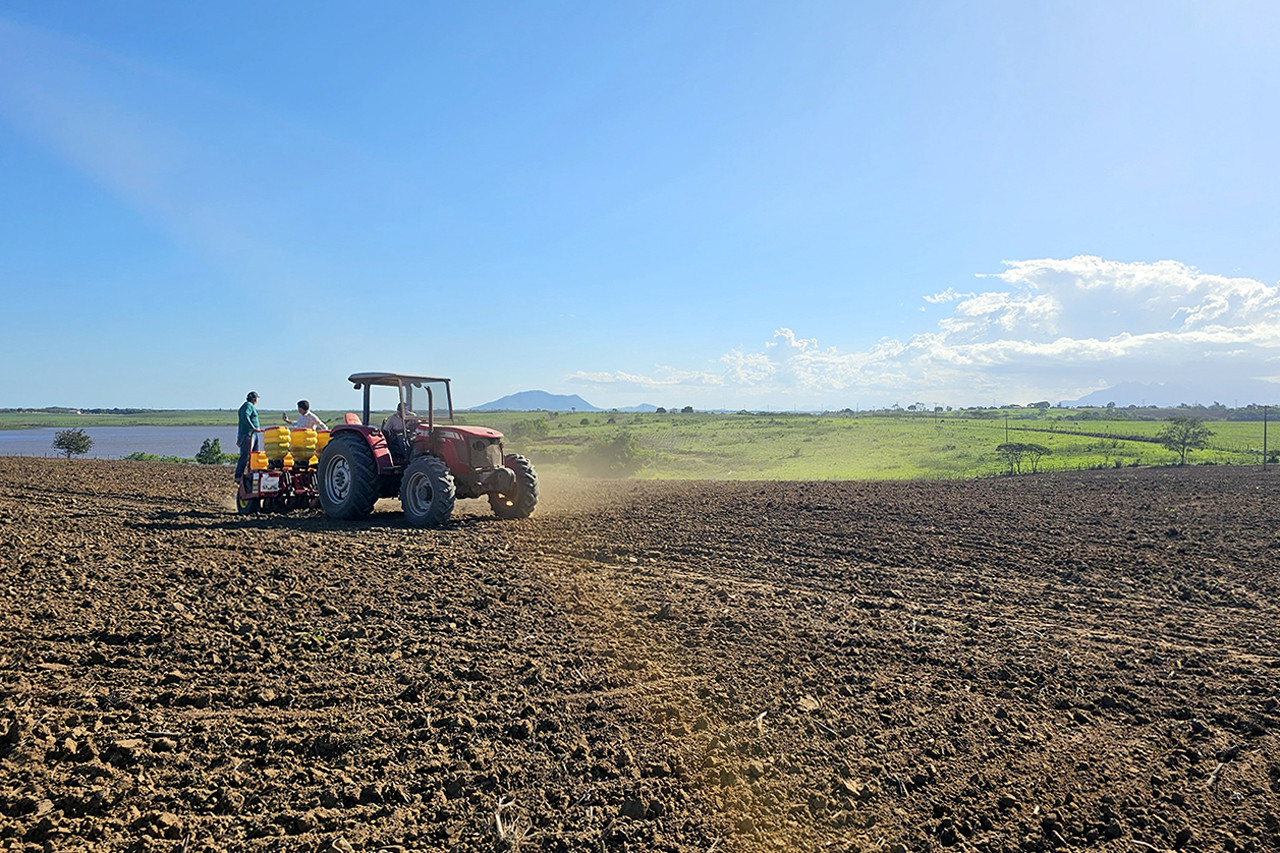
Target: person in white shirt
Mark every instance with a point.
(306, 418)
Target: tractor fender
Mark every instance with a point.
(377, 444)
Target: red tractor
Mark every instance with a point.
(427, 464)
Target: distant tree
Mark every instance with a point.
(585, 422)
(661, 410)
(1012, 452)
(1041, 404)
(73, 442)
(1111, 405)
(1017, 454)
(1184, 433)
(687, 410)
(1034, 453)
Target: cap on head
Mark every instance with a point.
(251, 396)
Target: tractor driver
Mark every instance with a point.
(395, 423)
(393, 429)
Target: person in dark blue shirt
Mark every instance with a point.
(247, 435)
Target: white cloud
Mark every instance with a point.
(1139, 298)
(748, 368)
(948, 295)
(787, 339)
(1059, 329)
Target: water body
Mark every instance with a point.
(114, 442)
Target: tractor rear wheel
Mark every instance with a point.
(348, 477)
(427, 492)
(520, 504)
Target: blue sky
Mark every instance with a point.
(724, 205)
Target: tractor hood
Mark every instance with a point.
(466, 432)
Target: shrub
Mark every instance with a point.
(537, 428)
(211, 453)
(151, 457)
(617, 457)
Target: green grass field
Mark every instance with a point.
(797, 446)
(833, 447)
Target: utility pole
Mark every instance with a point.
(1006, 428)
(1264, 437)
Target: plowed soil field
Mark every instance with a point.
(1086, 661)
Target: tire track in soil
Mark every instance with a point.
(689, 728)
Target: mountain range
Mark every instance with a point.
(542, 401)
(1168, 394)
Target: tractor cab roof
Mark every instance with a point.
(393, 380)
(405, 383)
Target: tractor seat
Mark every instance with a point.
(351, 418)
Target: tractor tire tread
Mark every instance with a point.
(526, 497)
(444, 493)
(363, 491)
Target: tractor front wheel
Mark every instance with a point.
(348, 477)
(520, 503)
(427, 492)
(246, 506)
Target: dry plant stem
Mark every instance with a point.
(1213, 777)
(503, 803)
